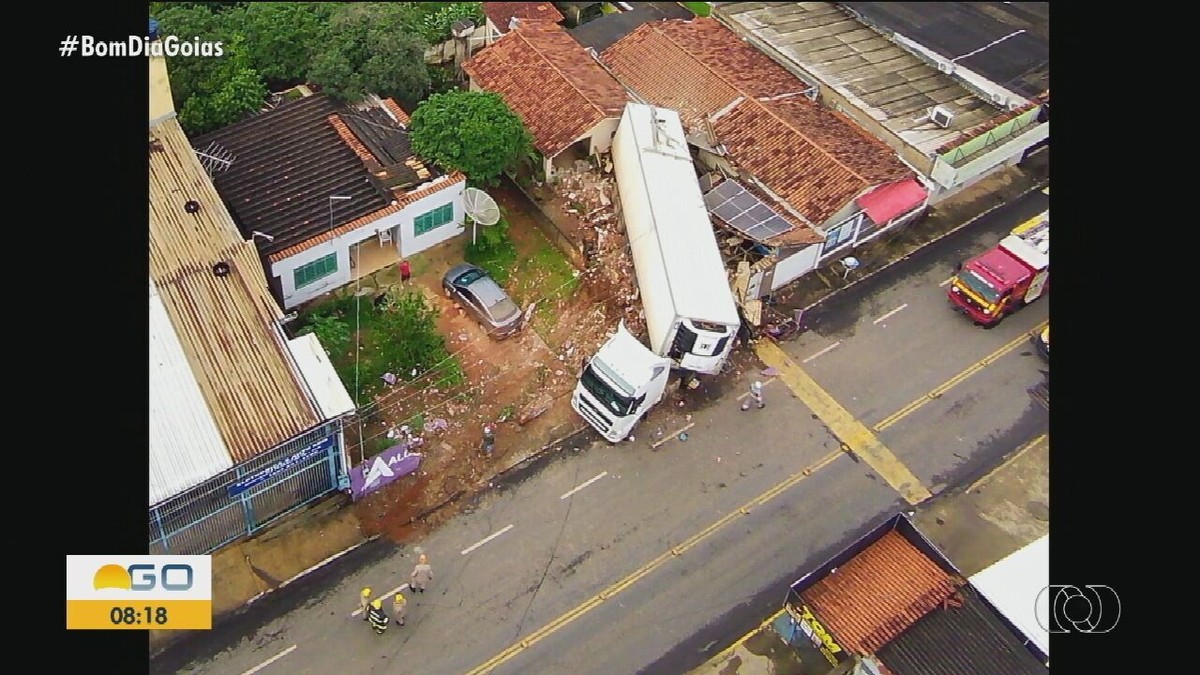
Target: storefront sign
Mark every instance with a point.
(293, 460)
(821, 638)
(386, 467)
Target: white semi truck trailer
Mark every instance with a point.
(691, 316)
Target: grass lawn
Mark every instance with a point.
(698, 8)
(543, 275)
(391, 339)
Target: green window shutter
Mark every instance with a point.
(315, 270)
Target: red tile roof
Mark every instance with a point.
(454, 178)
(500, 13)
(879, 593)
(350, 139)
(550, 81)
(812, 157)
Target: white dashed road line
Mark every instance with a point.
(584, 484)
(946, 282)
(271, 660)
(385, 596)
(890, 314)
(485, 540)
(823, 351)
(673, 434)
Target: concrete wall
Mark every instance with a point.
(795, 266)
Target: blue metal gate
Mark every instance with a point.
(244, 499)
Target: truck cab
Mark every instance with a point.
(1009, 276)
(619, 385)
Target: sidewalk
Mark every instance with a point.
(247, 570)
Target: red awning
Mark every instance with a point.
(888, 201)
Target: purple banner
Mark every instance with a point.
(388, 466)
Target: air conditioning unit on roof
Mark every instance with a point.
(941, 117)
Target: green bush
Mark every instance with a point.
(493, 251)
(399, 335)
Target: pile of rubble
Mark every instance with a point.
(591, 198)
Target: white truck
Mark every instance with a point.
(691, 317)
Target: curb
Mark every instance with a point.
(936, 239)
(431, 510)
(306, 572)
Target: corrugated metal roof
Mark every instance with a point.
(185, 445)
(322, 379)
(963, 637)
(1014, 586)
(225, 322)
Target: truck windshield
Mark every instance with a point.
(980, 286)
(616, 402)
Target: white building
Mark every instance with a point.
(330, 193)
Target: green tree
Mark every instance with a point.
(407, 326)
(226, 94)
(473, 132)
(187, 21)
(282, 38)
(371, 49)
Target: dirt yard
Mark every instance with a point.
(522, 385)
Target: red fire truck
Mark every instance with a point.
(1009, 276)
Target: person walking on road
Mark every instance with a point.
(421, 575)
(376, 617)
(399, 608)
(364, 601)
(756, 395)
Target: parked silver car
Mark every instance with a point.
(480, 295)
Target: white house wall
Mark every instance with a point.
(410, 243)
(601, 135)
(407, 244)
(795, 266)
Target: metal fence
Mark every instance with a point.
(242, 500)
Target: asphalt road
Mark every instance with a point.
(615, 559)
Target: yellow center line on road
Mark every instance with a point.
(852, 433)
(937, 392)
(635, 576)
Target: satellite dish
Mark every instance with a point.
(462, 28)
(481, 208)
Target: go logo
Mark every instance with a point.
(1078, 609)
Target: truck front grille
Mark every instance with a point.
(593, 415)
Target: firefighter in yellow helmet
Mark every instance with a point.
(364, 601)
(376, 617)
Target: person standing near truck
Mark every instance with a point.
(376, 617)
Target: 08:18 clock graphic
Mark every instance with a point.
(149, 615)
(141, 592)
